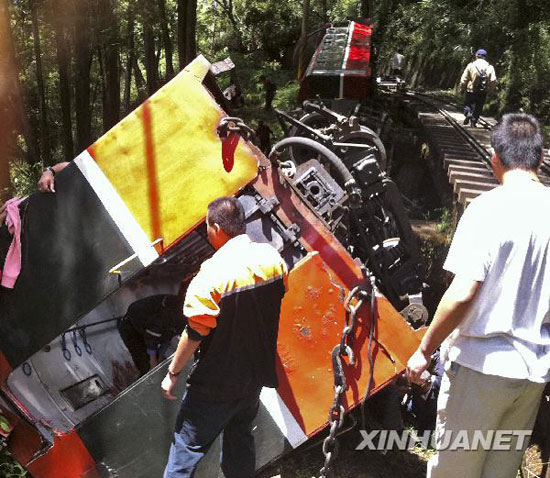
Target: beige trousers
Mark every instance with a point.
(470, 404)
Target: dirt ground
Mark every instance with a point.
(351, 463)
(373, 464)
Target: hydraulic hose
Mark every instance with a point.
(339, 166)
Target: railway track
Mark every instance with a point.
(464, 151)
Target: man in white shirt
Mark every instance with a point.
(477, 80)
(398, 63)
(495, 314)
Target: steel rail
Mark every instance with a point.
(474, 143)
(545, 166)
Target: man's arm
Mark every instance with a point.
(464, 78)
(449, 314)
(46, 182)
(186, 348)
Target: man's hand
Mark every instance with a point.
(167, 386)
(417, 364)
(449, 314)
(47, 182)
(186, 348)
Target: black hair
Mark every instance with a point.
(518, 142)
(228, 213)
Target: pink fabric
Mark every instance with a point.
(12, 265)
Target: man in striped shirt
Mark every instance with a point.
(232, 307)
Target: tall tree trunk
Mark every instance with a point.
(12, 112)
(166, 39)
(324, 10)
(44, 133)
(367, 9)
(384, 14)
(227, 7)
(519, 61)
(187, 27)
(9, 114)
(83, 61)
(190, 31)
(181, 33)
(151, 72)
(62, 54)
(302, 42)
(140, 81)
(130, 59)
(110, 47)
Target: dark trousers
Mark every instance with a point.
(135, 344)
(397, 72)
(269, 95)
(200, 422)
(473, 105)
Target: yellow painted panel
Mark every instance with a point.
(164, 159)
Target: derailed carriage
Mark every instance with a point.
(127, 221)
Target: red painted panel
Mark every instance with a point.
(68, 458)
(5, 368)
(313, 315)
(24, 441)
(313, 234)
(357, 86)
(359, 51)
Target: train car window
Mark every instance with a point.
(84, 392)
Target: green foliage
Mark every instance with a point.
(343, 10)
(446, 224)
(439, 38)
(24, 176)
(5, 427)
(434, 247)
(9, 468)
(287, 96)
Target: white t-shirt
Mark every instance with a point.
(482, 65)
(503, 240)
(398, 61)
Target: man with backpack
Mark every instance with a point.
(478, 78)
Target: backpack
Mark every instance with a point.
(481, 81)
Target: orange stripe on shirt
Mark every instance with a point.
(239, 264)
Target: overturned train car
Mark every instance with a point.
(341, 66)
(127, 222)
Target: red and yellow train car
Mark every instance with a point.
(126, 222)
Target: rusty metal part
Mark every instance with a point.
(416, 314)
(232, 124)
(345, 175)
(372, 333)
(342, 134)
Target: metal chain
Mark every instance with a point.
(337, 412)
